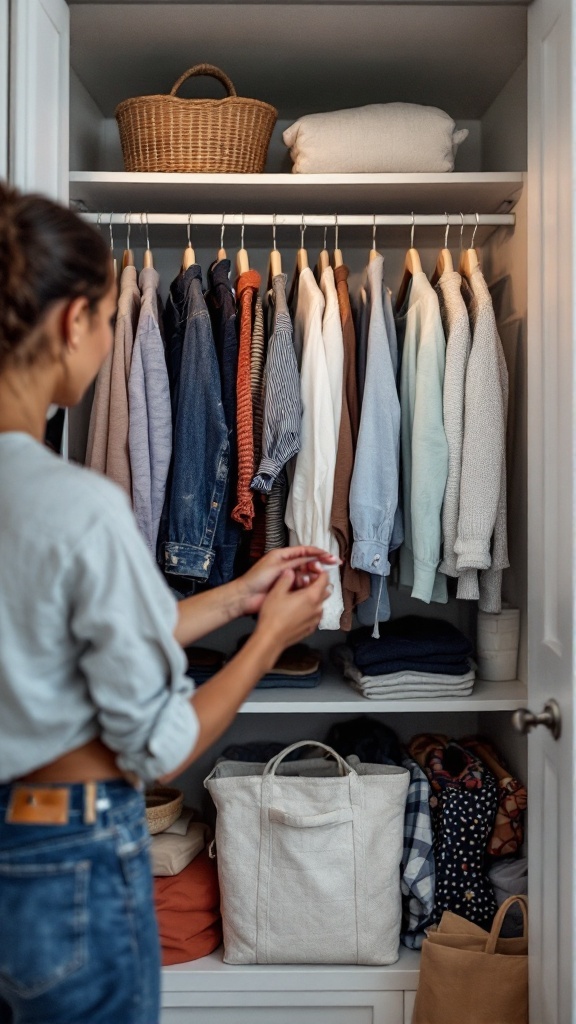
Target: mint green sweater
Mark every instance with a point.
(424, 445)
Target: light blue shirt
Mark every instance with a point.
(86, 623)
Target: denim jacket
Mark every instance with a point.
(201, 449)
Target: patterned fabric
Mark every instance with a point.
(257, 354)
(418, 869)
(463, 804)
(275, 510)
(246, 290)
(508, 832)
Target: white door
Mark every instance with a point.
(4, 73)
(39, 96)
(551, 506)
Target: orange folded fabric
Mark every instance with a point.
(188, 912)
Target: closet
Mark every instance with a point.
(505, 72)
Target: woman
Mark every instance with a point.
(93, 691)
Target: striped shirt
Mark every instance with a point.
(282, 405)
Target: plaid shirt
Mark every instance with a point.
(418, 869)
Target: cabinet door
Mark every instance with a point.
(551, 505)
(39, 96)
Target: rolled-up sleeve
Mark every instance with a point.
(123, 617)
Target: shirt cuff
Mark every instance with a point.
(370, 555)
(172, 739)
(472, 554)
(424, 580)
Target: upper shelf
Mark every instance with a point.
(335, 695)
(477, 192)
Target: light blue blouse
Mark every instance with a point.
(86, 623)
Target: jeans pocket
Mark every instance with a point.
(44, 915)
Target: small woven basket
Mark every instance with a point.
(163, 807)
(167, 133)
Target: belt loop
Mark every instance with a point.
(90, 790)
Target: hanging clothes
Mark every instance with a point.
(355, 582)
(150, 428)
(310, 497)
(456, 326)
(282, 404)
(257, 357)
(333, 344)
(107, 449)
(221, 304)
(482, 541)
(275, 511)
(201, 451)
(374, 486)
(423, 441)
(246, 290)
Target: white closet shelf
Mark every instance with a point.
(335, 695)
(211, 973)
(478, 192)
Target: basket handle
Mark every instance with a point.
(204, 69)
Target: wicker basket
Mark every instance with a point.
(166, 133)
(163, 807)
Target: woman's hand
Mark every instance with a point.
(306, 564)
(287, 614)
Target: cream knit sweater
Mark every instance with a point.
(482, 528)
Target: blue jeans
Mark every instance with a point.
(78, 935)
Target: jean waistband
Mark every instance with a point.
(84, 799)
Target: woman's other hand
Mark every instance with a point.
(287, 615)
(305, 562)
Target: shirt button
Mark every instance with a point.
(376, 560)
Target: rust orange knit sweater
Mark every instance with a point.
(246, 291)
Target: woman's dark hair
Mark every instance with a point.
(47, 253)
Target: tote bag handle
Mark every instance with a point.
(499, 921)
(343, 768)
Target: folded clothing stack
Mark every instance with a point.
(297, 667)
(203, 663)
(413, 657)
(186, 894)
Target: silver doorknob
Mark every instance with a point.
(523, 720)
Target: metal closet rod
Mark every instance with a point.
(321, 220)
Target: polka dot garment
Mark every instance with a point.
(464, 803)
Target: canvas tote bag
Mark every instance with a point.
(309, 859)
(471, 976)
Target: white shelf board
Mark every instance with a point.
(334, 694)
(481, 192)
(211, 974)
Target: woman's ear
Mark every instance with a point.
(74, 321)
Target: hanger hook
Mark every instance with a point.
(475, 230)
(412, 230)
(98, 220)
(128, 221)
(188, 230)
(111, 235)
(446, 232)
(222, 231)
(242, 234)
(145, 223)
(461, 231)
(303, 227)
(325, 235)
(274, 231)
(335, 230)
(374, 232)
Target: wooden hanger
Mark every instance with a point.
(275, 259)
(444, 263)
(242, 261)
(301, 262)
(128, 255)
(337, 257)
(222, 251)
(469, 257)
(148, 258)
(412, 265)
(189, 256)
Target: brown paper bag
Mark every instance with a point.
(470, 976)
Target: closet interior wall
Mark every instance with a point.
(431, 54)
